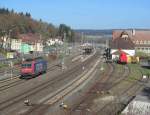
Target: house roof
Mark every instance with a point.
(30, 38)
(120, 43)
(141, 35)
(138, 34)
(118, 52)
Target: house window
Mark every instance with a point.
(138, 48)
(148, 49)
(140, 42)
(137, 42)
(125, 36)
(145, 42)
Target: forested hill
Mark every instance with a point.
(22, 23)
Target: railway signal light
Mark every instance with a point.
(83, 67)
(107, 53)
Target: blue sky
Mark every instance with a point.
(86, 14)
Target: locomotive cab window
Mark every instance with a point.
(26, 65)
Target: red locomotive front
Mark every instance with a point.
(27, 68)
(123, 58)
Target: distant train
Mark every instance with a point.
(87, 48)
(33, 67)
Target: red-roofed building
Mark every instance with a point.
(122, 42)
(33, 40)
(141, 38)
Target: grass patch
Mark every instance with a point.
(119, 68)
(104, 65)
(3, 51)
(3, 65)
(16, 62)
(136, 72)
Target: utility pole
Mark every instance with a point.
(82, 38)
(11, 66)
(64, 52)
(9, 35)
(81, 46)
(107, 43)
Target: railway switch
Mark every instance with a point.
(64, 106)
(27, 102)
(83, 67)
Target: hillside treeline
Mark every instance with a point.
(13, 24)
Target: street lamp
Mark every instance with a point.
(102, 65)
(82, 38)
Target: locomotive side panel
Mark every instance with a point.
(26, 69)
(40, 67)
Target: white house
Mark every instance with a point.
(39, 46)
(5, 42)
(54, 42)
(16, 44)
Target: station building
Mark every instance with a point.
(140, 38)
(122, 43)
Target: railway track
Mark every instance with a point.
(14, 81)
(123, 97)
(118, 77)
(38, 110)
(18, 69)
(107, 108)
(10, 102)
(17, 81)
(99, 85)
(129, 93)
(102, 87)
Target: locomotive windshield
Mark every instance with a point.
(26, 65)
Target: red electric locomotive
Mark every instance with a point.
(33, 67)
(123, 58)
